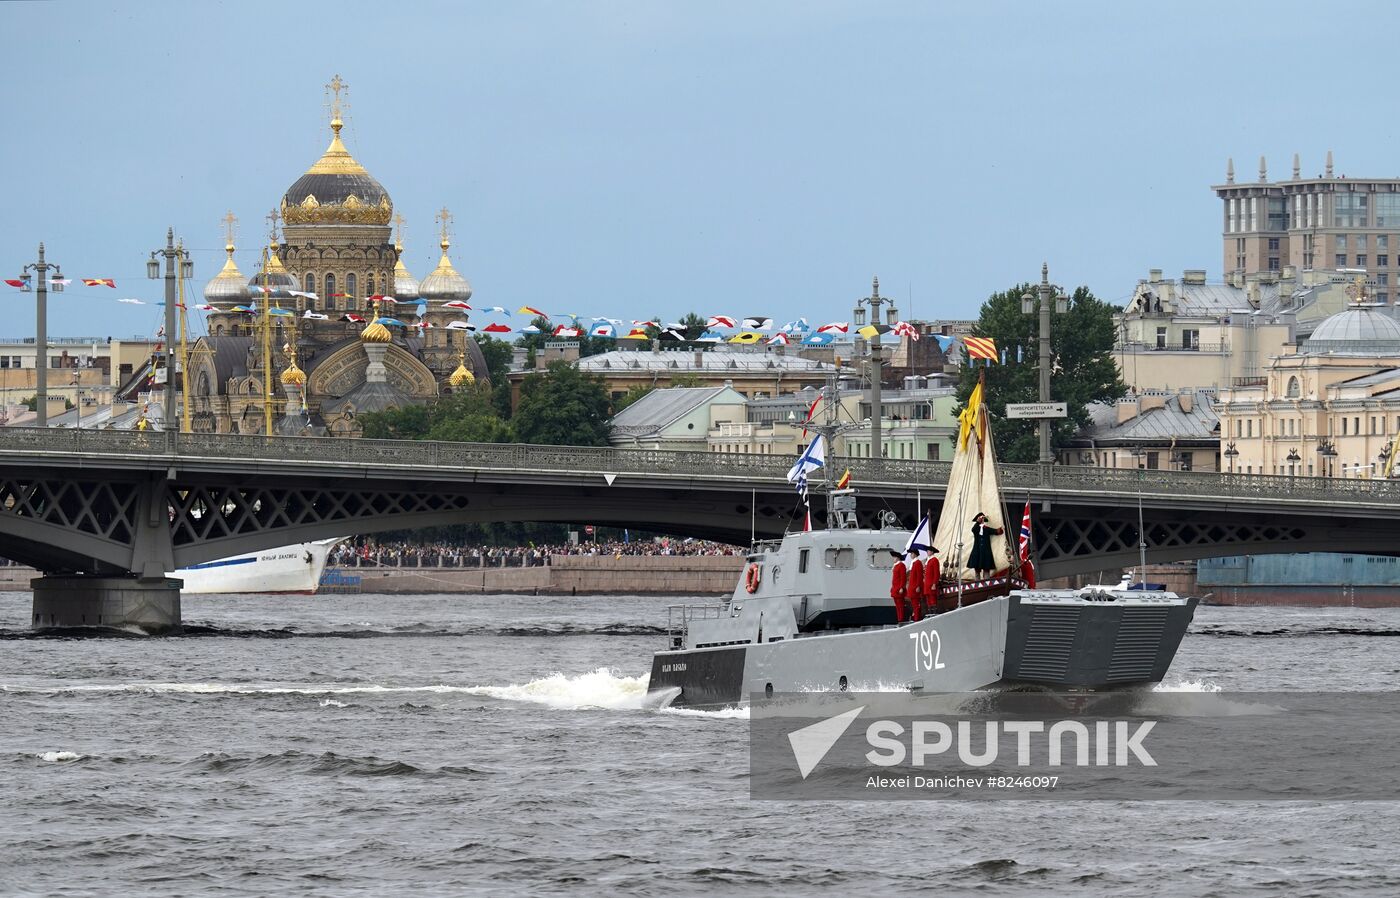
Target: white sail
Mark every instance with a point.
(972, 487)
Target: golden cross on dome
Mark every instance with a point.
(229, 221)
(446, 218)
(272, 219)
(335, 87)
(398, 220)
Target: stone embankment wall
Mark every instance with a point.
(568, 575)
(565, 574)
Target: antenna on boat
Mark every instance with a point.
(1142, 537)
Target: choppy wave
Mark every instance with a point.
(599, 689)
(1186, 686)
(192, 630)
(54, 757)
(1290, 632)
(324, 763)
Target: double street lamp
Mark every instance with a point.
(41, 271)
(1041, 302)
(874, 301)
(172, 254)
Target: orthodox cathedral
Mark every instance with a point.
(332, 325)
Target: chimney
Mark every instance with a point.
(1193, 276)
(699, 359)
(1127, 409)
(1151, 399)
(1187, 400)
(1154, 276)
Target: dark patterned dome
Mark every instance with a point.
(337, 190)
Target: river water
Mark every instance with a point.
(375, 745)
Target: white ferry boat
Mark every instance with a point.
(287, 569)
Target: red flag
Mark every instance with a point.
(496, 329)
(354, 318)
(100, 282)
(15, 282)
(340, 294)
(811, 410)
(1025, 541)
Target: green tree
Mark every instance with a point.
(562, 406)
(498, 355)
(468, 415)
(1083, 372)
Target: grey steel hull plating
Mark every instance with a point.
(1035, 639)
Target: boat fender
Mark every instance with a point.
(752, 575)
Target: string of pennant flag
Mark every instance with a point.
(752, 330)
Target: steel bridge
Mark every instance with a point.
(123, 503)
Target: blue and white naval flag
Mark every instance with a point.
(812, 459)
(921, 540)
(603, 329)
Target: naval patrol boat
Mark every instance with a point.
(814, 612)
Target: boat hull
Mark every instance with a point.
(1027, 640)
(288, 569)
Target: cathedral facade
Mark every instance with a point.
(332, 325)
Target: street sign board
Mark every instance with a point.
(1036, 410)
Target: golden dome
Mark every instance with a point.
(294, 375)
(375, 332)
(461, 377)
(337, 190)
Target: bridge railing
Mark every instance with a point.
(553, 459)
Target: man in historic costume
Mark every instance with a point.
(899, 582)
(932, 571)
(982, 561)
(915, 592)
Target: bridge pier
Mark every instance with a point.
(151, 606)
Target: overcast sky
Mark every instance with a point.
(629, 159)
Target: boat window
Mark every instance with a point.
(841, 559)
(802, 561)
(881, 559)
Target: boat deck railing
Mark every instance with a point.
(678, 617)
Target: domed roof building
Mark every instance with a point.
(227, 286)
(338, 256)
(1362, 330)
(1330, 409)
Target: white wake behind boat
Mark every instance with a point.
(296, 568)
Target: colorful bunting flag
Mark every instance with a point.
(564, 330)
(710, 337)
(456, 304)
(315, 316)
(303, 294)
(100, 282)
(390, 321)
(206, 308)
(819, 339)
(981, 348)
(845, 480)
(604, 330)
(943, 342)
(780, 339)
(758, 323)
(797, 326)
(747, 338)
(835, 327)
(498, 309)
(462, 326)
(132, 302)
(871, 331)
(530, 329)
(905, 329)
(635, 333)
(530, 310)
(352, 318)
(17, 282)
(495, 328)
(721, 321)
(645, 324)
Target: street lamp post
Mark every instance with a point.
(172, 254)
(1041, 303)
(41, 329)
(874, 301)
(1328, 451)
(1231, 453)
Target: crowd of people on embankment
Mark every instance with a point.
(369, 553)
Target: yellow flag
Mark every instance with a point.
(970, 417)
(746, 337)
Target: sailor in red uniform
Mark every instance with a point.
(932, 571)
(915, 592)
(899, 578)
